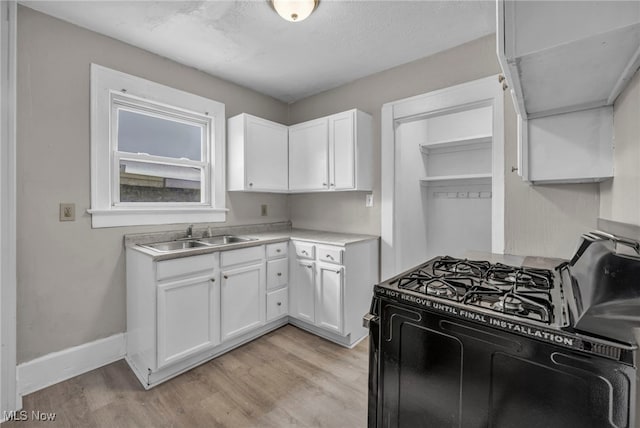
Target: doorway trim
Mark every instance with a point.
(486, 89)
(9, 401)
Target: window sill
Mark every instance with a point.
(146, 216)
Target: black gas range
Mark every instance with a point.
(468, 343)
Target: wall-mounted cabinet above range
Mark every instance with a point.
(332, 153)
(566, 62)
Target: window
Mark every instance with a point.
(157, 153)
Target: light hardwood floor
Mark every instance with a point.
(286, 378)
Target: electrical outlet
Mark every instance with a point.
(368, 201)
(67, 212)
(263, 210)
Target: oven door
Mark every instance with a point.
(436, 371)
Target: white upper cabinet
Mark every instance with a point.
(309, 156)
(257, 155)
(332, 153)
(326, 154)
(565, 63)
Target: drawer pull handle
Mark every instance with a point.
(329, 256)
(279, 273)
(279, 303)
(304, 252)
(226, 277)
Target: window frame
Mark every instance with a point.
(112, 90)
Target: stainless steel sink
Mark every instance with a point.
(179, 245)
(166, 247)
(226, 239)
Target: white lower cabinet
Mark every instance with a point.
(184, 311)
(188, 314)
(303, 287)
(243, 300)
(332, 291)
(328, 298)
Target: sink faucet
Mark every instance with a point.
(190, 231)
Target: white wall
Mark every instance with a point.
(540, 220)
(71, 280)
(620, 197)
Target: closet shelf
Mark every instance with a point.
(457, 142)
(444, 180)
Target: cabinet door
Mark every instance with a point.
(187, 318)
(342, 144)
(302, 291)
(309, 155)
(243, 300)
(329, 301)
(266, 146)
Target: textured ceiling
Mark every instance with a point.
(246, 42)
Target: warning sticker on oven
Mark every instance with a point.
(490, 320)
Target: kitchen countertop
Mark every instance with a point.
(269, 235)
(507, 259)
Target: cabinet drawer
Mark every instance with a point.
(277, 304)
(277, 250)
(330, 254)
(277, 273)
(305, 250)
(243, 255)
(185, 266)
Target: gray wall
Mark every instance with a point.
(71, 277)
(539, 220)
(620, 197)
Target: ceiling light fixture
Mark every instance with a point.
(294, 10)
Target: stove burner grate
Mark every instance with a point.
(519, 291)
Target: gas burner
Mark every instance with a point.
(441, 289)
(515, 277)
(451, 265)
(509, 303)
(539, 279)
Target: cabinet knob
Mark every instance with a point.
(279, 274)
(333, 185)
(339, 270)
(501, 78)
(279, 303)
(278, 250)
(308, 266)
(505, 86)
(324, 184)
(304, 252)
(212, 280)
(250, 184)
(225, 277)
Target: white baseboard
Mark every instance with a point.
(62, 365)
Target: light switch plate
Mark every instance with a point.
(368, 202)
(67, 212)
